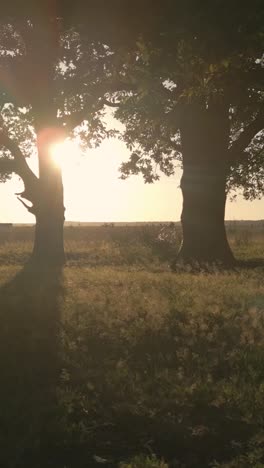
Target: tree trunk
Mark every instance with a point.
(49, 207)
(204, 196)
(47, 198)
(48, 243)
(203, 184)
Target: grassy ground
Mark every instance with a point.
(117, 357)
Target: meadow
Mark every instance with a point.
(117, 361)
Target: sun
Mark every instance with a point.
(66, 155)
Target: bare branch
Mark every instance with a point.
(28, 207)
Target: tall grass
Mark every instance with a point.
(116, 358)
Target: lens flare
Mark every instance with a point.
(65, 154)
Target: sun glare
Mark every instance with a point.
(66, 154)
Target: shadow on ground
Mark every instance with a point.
(251, 263)
(29, 321)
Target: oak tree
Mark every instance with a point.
(196, 73)
(51, 88)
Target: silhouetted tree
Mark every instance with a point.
(186, 78)
(196, 73)
(51, 88)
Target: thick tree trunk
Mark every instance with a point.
(205, 168)
(49, 207)
(48, 243)
(47, 196)
(204, 196)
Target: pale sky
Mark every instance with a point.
(94, 193)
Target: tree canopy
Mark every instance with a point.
(52, 87)
(195, 54)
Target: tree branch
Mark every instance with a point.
(73, 120)
(246, 136)
(20, 166)
(110, 104)
(7, 165)
(31, 209)
(95, 98)
(176, 146)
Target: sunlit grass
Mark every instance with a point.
(121, 358)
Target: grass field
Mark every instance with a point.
(118, 362)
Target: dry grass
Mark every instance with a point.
(117, 356)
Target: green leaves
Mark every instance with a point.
(212, 57)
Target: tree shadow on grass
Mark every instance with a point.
(29, 329)
(197, 268)
(251, 263)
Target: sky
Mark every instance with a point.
(95, 193)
